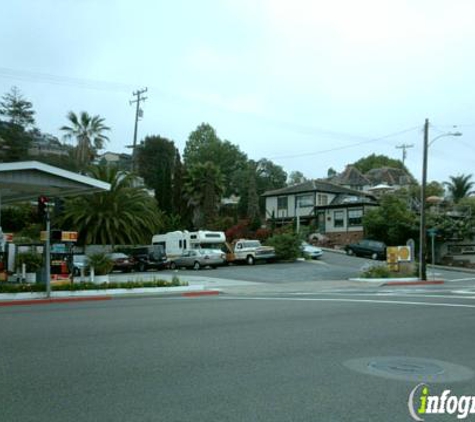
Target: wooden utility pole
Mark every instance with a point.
(138, 114)
(404, 148)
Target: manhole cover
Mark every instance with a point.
(411, 369)
(405, 366)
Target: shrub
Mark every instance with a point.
(101, 263)
(22, 288)
(376, 271)
(239, 231)
(32, 260)
(287, 246)
(262, 234)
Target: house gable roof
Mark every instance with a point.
(314, 186)
(388, 175)
(351, 176)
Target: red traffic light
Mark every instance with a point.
(42, 206)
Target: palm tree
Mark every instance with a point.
(203, 188)
(89, 134)
(124, 215)
(460, 187)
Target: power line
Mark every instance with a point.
(345, 146)
(64, 80)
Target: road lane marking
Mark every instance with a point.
(460, 279)
(388, 302)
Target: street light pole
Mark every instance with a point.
(422, 231)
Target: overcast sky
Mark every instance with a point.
(309, 84)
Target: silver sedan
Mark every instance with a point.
(198, 258)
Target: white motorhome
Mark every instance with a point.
(175, 243)
(205, 239)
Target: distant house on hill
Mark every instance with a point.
(378, 180)
(121, 160)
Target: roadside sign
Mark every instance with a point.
(69, 236)
(404, 253)
(392, 258)
(65, 236)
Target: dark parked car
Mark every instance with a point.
(149, 257)
(367, 248)
(122, 262)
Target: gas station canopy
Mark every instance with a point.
(26, 180)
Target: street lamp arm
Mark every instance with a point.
(445, 134)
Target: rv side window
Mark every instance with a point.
(180, 244)
(184, 244)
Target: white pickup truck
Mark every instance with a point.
(249, 251)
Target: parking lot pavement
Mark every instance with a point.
(333, 271)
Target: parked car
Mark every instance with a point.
(122, 262)
(249, 251)
(149, 257)
(310, 251)
(367, 248)
(80, 262)
(197, 258)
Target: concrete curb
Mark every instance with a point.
(413, 283)
(383, 280)
(9, 299)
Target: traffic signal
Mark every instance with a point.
(42, 206)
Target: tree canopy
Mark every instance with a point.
(460, 187)
(16, 109)
(296, 177)
(204, 145)
(158, 159)
(124, 215)
(89, 134)
(374, 161)
(392, 222)
(203, 188)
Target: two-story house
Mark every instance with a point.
(336, 211)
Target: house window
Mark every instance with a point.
(282, 203)
(304, 201)
(322, 199)
(338, 219)
(355, 217)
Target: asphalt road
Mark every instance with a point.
(308, 357)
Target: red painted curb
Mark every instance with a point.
(53, 300)
(413, 283)
(204, 293)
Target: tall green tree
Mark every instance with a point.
(16, 109)
(158, 159)
(296, 177)
(267, 176)
(392, 222)
(374, 161)
(460, 187)
(203, 187)
(204, 145)
(89, 133)
(125, 215)
(14, 142)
